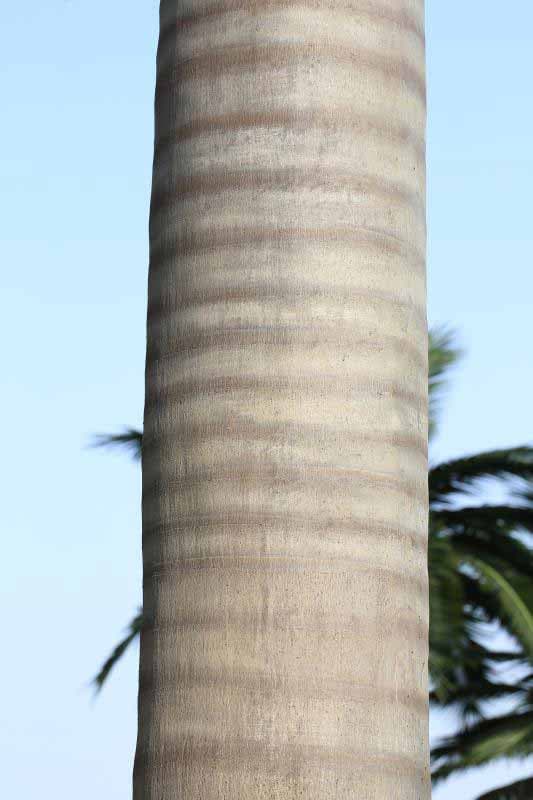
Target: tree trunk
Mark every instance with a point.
(284, 463)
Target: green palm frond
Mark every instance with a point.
(521, 790)
(465, 475)
(463, 602)
(486, 536)
(483, 605)
(481, 569)
(471, 680)
(476, 695)
(506, 736)
(448, 636)
(482, 675)
(490, 521)
(506, 553)
(134, 629)
(514, 608)
(130, 439)
(443, 354)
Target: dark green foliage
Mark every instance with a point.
(130, 439)
(509, 735)
(521, 790)
(467, 474)
(481, 571)
(443, 354)
(134, 628)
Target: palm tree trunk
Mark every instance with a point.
(284, 463)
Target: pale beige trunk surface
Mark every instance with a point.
(284, 466)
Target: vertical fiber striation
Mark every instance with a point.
(284, 463)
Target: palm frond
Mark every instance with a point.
(513, 657)
(505, 552)
(474, 695)
(130, 439)
(514, 465)
(134, 630)
(475, 676)
(448, 634)
(509, 736)
(492, 520)
(443, 354)
(482, 604)
(521, 790)
(465, 597)
(517, 611)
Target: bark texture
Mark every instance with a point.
(284, 464)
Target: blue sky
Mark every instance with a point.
(75, 158)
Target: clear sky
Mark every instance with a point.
(76, 83)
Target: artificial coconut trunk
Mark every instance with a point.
(284, 463)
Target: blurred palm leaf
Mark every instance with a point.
(443, 355)
(509, 736)
(134, 629)
(522, 790)
(462, 475)
(130, 439)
